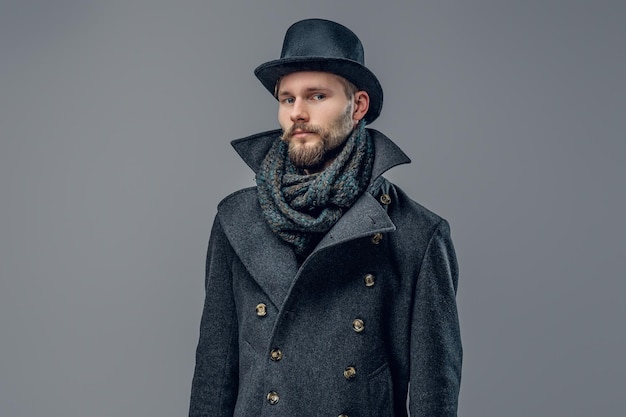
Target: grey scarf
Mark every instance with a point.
(301, 208)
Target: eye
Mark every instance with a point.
(288, 100)
(318, 97)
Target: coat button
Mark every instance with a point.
(343, 415)
(385, 199)
(349, 372)
(370, 280)
(358, 325)
(276, 355)
(376, 239)
(261, 310)
(272, 397)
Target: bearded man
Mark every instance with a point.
(329, 292)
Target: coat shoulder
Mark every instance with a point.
(408, 214)
(416, 225)
(238, 209)
(238, 202)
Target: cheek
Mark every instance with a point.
(337, 112)
(283, 118)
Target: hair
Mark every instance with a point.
(349, 88)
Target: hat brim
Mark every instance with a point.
(364, 79)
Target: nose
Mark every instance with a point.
(299, 112)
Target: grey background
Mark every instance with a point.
(115, 122)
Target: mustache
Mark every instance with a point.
(304, 128)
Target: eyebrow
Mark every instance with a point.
(307, 90)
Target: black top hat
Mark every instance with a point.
(322, 45)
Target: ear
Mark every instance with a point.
(361, 105)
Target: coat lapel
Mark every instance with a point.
(365, 218)
(269, 260)
(272, 262)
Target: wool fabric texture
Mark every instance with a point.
(300, 207)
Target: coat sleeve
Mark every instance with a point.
(436, 352)
(215, 381)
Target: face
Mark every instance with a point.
(316, 117)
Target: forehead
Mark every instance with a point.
(303, 80)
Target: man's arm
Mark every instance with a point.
(436, 352)
(215, 380)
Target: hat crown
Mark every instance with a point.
(324, 39)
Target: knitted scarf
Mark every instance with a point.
(301, 208)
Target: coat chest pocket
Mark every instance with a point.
(380, 392)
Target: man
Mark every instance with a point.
(328, 291)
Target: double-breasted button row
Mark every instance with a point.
(272, 397)
(386, 200)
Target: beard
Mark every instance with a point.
(314, 154)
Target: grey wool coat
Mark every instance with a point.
(366, 322)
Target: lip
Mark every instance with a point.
(301, 133)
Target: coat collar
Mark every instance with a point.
(253, 149)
